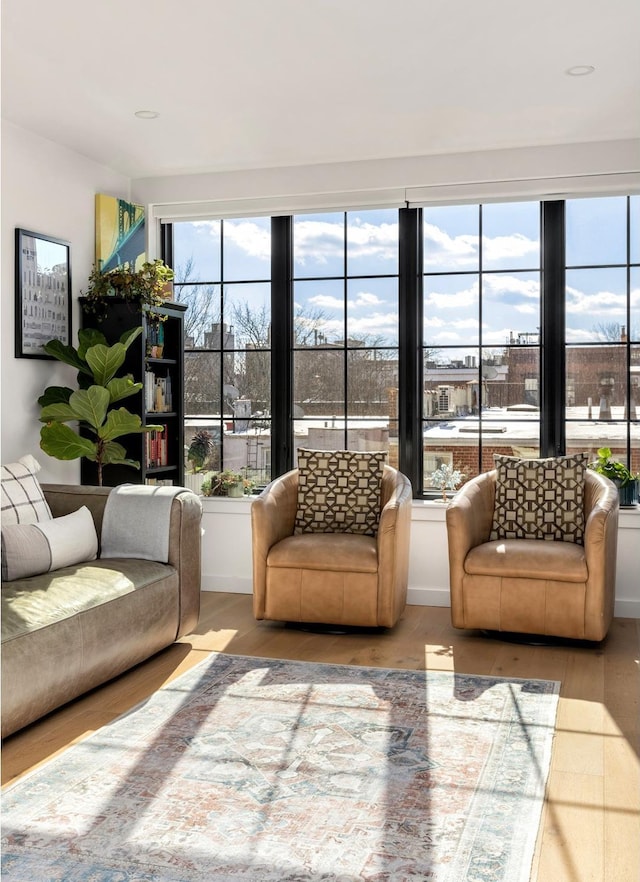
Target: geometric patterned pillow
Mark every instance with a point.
(339, 491)
(540, 498)
(23, 501)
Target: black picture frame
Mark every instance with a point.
(43, 293)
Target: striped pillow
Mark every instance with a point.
(31, 549)
(23, 501)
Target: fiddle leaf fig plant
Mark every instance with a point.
(92, 404)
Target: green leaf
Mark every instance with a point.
(120, 422)
(91, 405)
(129, 336)
(88, 337)
(60, 412)
(112, 452)
(104, 361)
(66, 354)
(62, 442)
(122, 387)
(55, 395)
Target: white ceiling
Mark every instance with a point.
(261, 83)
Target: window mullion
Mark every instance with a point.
(410, 288)
(281, 345)
(553, 356)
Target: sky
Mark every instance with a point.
(510, 282)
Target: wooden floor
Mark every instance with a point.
(590, 830)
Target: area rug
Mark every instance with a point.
(263, 770)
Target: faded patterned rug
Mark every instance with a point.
(278, 771)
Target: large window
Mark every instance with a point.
(481, 337)
(443, 335)
(223, 272)
(345, 331)
(602, 327)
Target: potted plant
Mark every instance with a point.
(625, 480)
(199, 451)
(446, 478)
(147, 287)
(227, 483)
(91, 405)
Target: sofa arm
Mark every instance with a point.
(273, 515)
(64, 499)
(184, 536)
(469, 516)
(600, 546)
(393, 539)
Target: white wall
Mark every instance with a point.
(226, 553)
(50, 190)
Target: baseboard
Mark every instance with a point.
(428, 596)
(624, 609)
(227, 584)
(627, 609)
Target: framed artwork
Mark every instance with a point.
(43, 293)
(120, 234)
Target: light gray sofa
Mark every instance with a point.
(67, 631)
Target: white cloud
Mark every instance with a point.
(254, 240)
(604, 303)
(504, 284)
(461, 252)
(364, 298)
(320, 241)
(527, 309)
(451, 251)
(466, 297)
(317, 241)
(378, 241)
(377, 324)
(446, 337)
(209, 226)
(505, 247)
(495, 336)
(326, 301)
(578, 335)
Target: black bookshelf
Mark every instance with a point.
(155, 359)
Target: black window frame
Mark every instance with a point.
(410, 346)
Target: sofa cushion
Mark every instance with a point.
(23, 501)
(31, 549)
(528, 559)
(539, 498)
(339, 491)
(328, 552)
(42, 601)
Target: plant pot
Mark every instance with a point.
(194, 482)
(235, 491)
(628, 494)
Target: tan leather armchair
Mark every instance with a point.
(330, 578)
(532, 586)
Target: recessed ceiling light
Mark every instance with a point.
(580, 70)
(147, 114)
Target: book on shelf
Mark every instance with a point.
(155, 339)
(157, 393)
(159, 482)
(156, 448)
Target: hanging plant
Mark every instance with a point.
(147, 287)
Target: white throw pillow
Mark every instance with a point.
(23, 501)
(31, 549)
